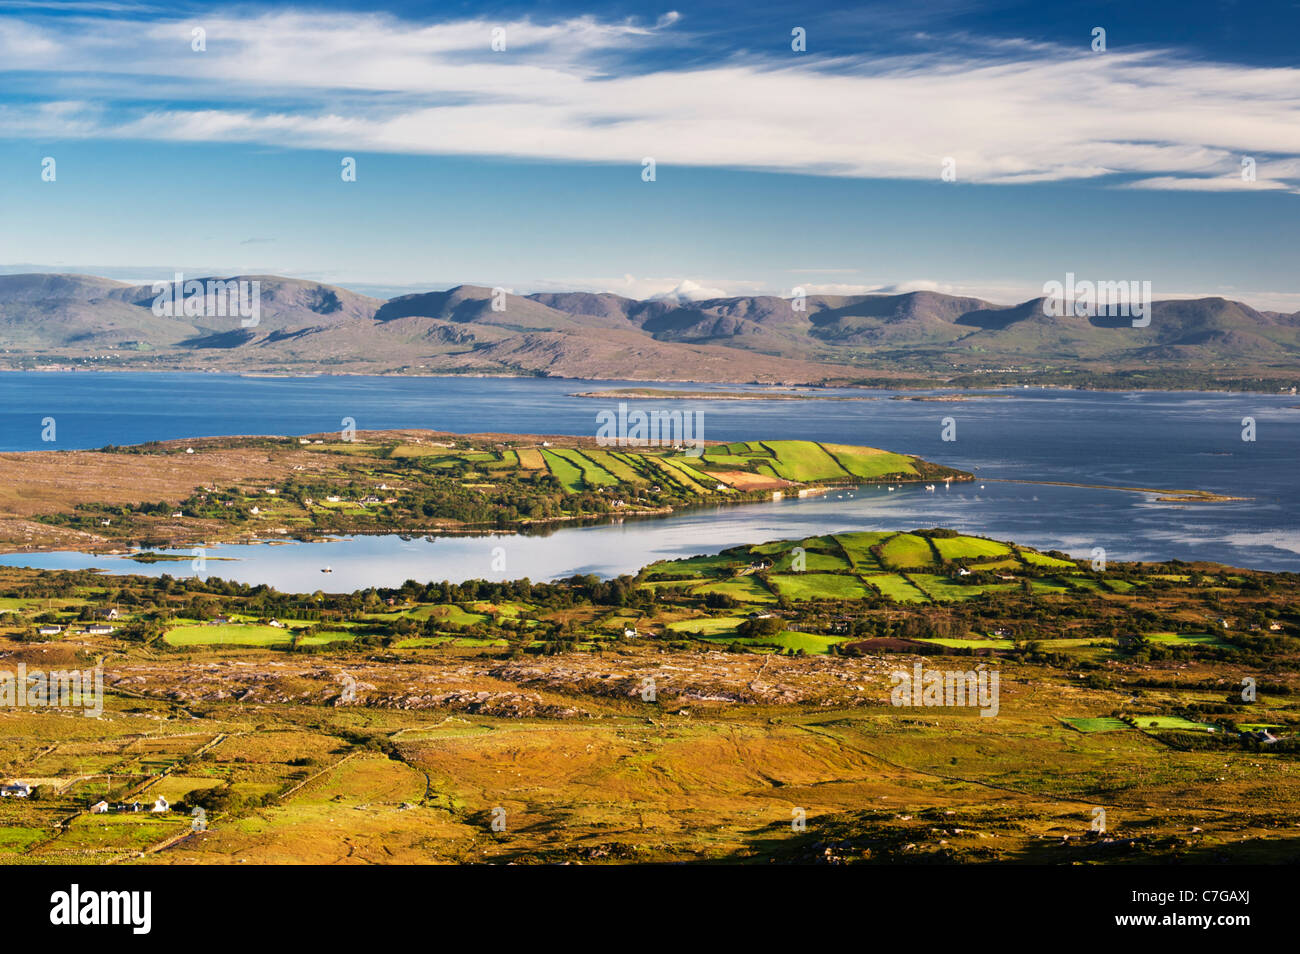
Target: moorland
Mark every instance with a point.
(732, 707)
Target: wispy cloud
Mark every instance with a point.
(581, 90)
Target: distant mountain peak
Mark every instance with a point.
(691, 333)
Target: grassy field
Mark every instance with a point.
(1096, 724)
(969, 548)
(747, 690)
(867, 463)
(896, 587)
(565, 471)
(241, 634)
(819, 586)
(906, 550)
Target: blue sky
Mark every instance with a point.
(523, 168)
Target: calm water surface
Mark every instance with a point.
(1147, 439)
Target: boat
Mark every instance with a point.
(326, 569)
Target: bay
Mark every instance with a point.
(1168, 440)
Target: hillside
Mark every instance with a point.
(913, 338)
(913, 697)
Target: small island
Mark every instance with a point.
(671, 394)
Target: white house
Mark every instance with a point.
(99, 629)
(963, 572)
(15, 790)
(50, 630)
(276, 623)
(161, 805)
(629, 632)
(99, 808)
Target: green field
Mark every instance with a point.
(819, 586)
(593, 475)
(907, 550)
(706, 626)
(233, 634)
(803, 461)
(747, 589)
(858, 548)
(896, 588)
(1034, 558)
(1088, 724)
(943, 588)
(868, 463)
(969, 548)
(812, 561)
(564, 470)
(1188, 639)
(1172, 724)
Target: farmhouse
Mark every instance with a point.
(15, 790)
(161, 805)
(49, 630)
(99, 629)
(99, 808)
(1263, 735)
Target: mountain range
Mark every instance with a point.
(307, 327)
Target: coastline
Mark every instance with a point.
(903, 384)
(547, 526)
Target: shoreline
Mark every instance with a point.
(904, 384)
(539, 527)
(548, 526)
(1174, 496)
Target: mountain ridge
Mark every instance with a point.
(303, 326)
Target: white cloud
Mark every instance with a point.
(1023, 113)
(690, 291)
(678, 288)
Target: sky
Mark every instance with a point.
(972, 148)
